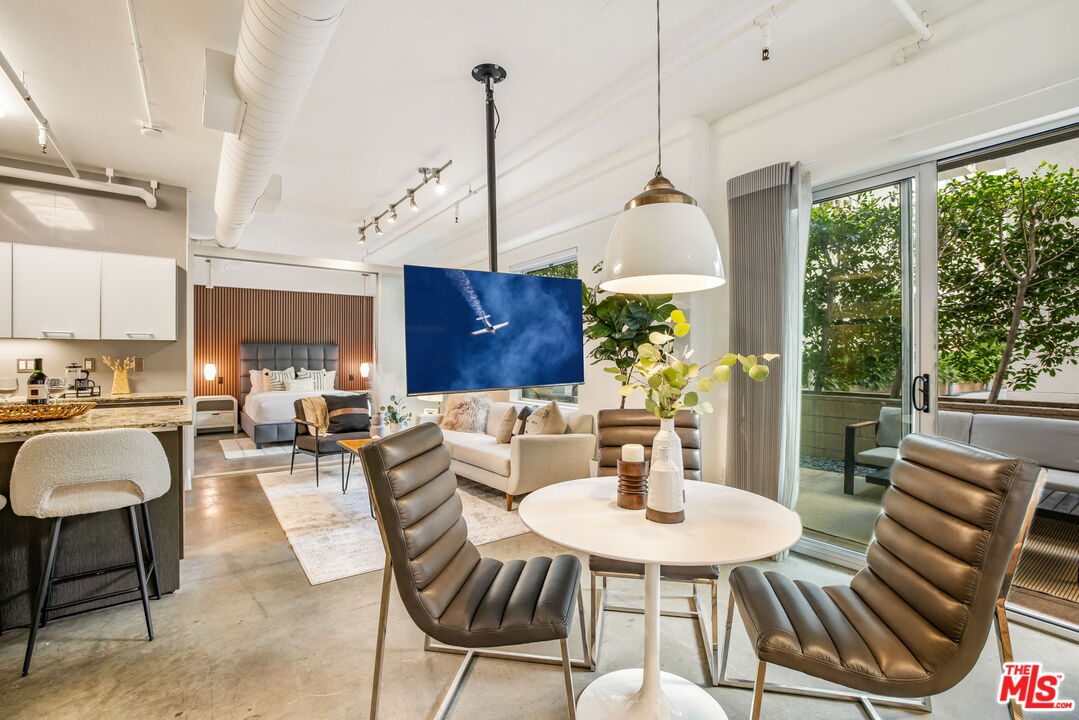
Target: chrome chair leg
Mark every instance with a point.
(585, 644)
(1004, 646)
(567, 674)
(714, 654)
(758, 691)
(380, 636)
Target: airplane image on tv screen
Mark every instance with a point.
(488, 327)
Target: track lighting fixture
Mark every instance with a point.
(42, 138)
(363, 236)
(764, 22)
(390, 213)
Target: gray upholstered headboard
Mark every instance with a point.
(278, 356)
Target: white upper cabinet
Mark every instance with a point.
(138, 297)
(56, 293)
(5, 290)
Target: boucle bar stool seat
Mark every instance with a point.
(61, 475)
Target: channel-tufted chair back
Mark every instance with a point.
(420, 515)
(625, 426)
(949, 525)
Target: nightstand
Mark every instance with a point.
(215, 412)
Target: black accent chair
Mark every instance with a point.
(309, 440)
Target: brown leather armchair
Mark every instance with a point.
(459, 599)
(622, 427)
(914, 621)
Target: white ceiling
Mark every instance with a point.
(394, 91)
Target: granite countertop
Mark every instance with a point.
(108, 397)
(151, 417)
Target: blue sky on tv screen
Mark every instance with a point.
(450, 348)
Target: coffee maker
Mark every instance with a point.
(73, 372)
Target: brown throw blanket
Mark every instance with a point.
(314, 410)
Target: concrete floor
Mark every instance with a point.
(248, 638)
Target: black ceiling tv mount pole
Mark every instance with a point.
(489, 74)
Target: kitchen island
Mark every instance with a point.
(93, 541)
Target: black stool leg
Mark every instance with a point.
(46, 582)
(317, 453)
(344, 480)
(141, 570)
(150, 551)
(292, 462)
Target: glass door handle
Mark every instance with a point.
(923, 390)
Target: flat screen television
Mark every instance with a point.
(469, 330)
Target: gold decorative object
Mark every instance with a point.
(119, 369)
(25, 412)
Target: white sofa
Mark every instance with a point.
(527, 462)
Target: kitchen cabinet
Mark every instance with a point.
(138, 297)
(56, 293)
(5, 290)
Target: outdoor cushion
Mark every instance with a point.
(954, 425)
(890, 427)
(879, 456)
(1062, 480)
(1049, 442)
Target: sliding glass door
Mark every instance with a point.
(867, 354)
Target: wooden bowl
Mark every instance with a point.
(25, 412)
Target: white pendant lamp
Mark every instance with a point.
(662, 243)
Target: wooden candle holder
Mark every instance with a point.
(632, 485)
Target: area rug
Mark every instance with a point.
(333, 534)
(236, 448)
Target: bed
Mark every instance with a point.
(267, 417)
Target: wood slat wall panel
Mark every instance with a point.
(228, 316)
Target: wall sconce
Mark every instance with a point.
(365, 370)
(209, 371)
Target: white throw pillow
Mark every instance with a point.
(323, 379)
(300, 383)
(256, 382)
(275, 379)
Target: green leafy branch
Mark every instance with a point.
(671, 381)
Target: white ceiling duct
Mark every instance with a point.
(281, 45)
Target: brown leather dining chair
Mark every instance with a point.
(914, 621)
(618, 428)
(464, 602)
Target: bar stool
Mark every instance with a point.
(61, 475)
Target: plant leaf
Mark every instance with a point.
(681, 329)
(722, 373)
(657, 338)
(770, 356)
(758, 373)
(677, 316)
(690, 399)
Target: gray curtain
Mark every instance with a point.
(769, 230)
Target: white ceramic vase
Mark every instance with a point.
(666, 481)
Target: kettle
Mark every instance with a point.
(72, 373)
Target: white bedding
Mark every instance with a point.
(277, 406)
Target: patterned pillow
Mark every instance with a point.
(275, 379)
(323, 379)
(348, 413)
(546, 421)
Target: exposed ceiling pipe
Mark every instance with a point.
(912, 17)
(147, 196)
(281, 45)
(149, 128)
(42, 121)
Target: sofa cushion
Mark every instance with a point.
(480, 450)
(1062, 480)
(878, 456)
(1049, 442)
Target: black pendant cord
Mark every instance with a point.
(492, 206)
(659, 104)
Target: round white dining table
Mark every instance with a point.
(722, 526)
